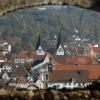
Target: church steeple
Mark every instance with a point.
(59, 40)
(39, 49)
(60, 50)
(38, 42)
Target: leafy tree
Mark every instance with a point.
(8, 56)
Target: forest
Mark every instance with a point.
(22, 29)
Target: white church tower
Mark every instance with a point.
(39, 50)
(60, 50)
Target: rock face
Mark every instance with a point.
(10, 5)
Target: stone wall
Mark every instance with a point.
(11, 5)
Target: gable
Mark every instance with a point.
(5, 76)
(40, 51)
(60, 50)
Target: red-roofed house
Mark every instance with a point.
(94, 51)
(60, 69)
(29, 57)
(2, 58)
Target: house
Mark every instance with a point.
(21, 57)
(73, 51)
(68, 79)
(37, 68)
(4, 75)
(21, 82)
(29, 57)
(20, 78)
(94, 50)
(12, 83)
(7, 67)
(39, 83)
(5, 47)
(60, 69)
(2, 58)
(17, 72)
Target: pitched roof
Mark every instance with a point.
(96, 49)
(2, 73)
(8, 62)
(1, 54)
(17, 71)
(65, 60)
(74, 49)
(25, 54)
(64, 76)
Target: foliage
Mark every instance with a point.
(8, 56)
(22, 29)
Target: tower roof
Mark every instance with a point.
(59, 40)
(38, 42)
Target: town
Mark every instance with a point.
(70, 66)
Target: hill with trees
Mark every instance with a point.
(22, 27)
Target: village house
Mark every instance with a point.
(20, 78)
(5, 47)
(94, 50)
(4, 75)
(68, 67)
(58, 73)
(68, 79)
(22, 82)
(2, 58)
(61, 70)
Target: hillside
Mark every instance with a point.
(22, 29)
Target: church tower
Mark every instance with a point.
(60, 50)
(39, 50)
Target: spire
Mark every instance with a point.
(38, 42)
(59, 40)
(39, 49)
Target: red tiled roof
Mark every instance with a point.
(2, 58)
(1, 54)
(96, 49)
(72, 59)
(94, 70)
(90, 45)
(8, 62)
(25, 54)
(63, 75)
(68, 63)
(73, 49)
